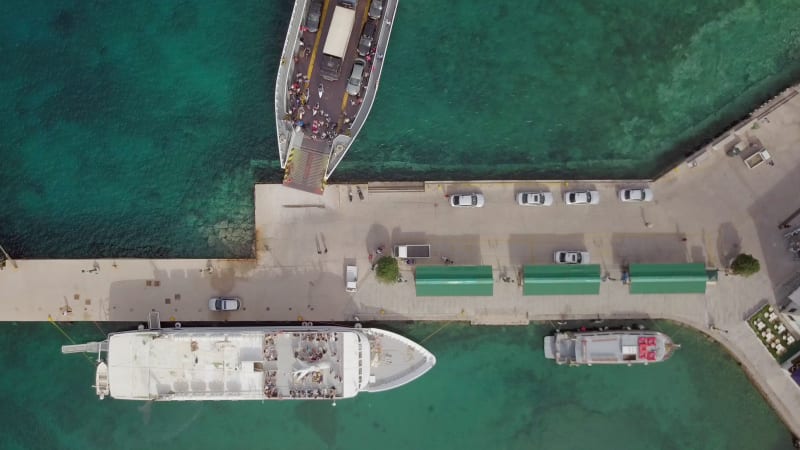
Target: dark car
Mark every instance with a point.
(375, 9)
(313, 16)
(365, 43)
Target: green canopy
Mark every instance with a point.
(467, 281)
(687, 278)
(562, 279)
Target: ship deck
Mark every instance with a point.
(242, 365)
(395, 360)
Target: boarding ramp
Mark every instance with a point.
(89, 347)
(306, 165)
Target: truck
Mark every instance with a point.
(352, 279)
(757, 158)
(412, 251)
(336, 42)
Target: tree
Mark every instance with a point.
(387, 270)
(745, 265)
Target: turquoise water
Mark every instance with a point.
(138, 128)
(491, 388)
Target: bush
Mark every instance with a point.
(386, 270)
(745, 265)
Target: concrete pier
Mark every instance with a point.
(707, 211)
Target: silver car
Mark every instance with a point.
(375, 9)
(582, 198)
(314, 14)
(636, 195)
(571, 257)
(466, 200)
(354, 82)
(224, 303)
(535, 198)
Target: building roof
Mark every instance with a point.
(562, 279)
(687, 278)
(438, 281)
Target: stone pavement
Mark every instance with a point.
(707, 213)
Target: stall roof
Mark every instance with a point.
(689, 278)
(467, 281)
(562, 279)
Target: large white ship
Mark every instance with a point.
(608, 347)
(328, 77)
(254, 363)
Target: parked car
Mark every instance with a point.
(354, 82)
(224, 303)
(571, 257)
(365, 43)
(375, 9)
(636, 195)
(582, 198)
(535, 198)
(474, 200)
(313, 16)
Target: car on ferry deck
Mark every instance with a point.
(375, 9)
(354, 82)
(535, 198)
(365, 42)
(473, 200)
(313, 16)
(582, 197)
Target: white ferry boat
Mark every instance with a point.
(328, 78)
(256, 363)
(608, 347)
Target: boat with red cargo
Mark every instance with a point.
(609, 347)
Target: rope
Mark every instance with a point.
(431, 335)
(53, 322)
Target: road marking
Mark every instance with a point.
(316, 40)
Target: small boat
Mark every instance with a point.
(609, 347)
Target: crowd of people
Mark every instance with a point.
(314, 346)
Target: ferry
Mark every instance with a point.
(609, 347)
(328, 77)
(253, 363)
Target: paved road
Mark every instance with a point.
(304, 242)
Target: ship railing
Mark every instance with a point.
(285, 71)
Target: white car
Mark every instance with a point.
(224, 303)
(636, 195)
(582, 197)
(571, 257)
(474, 200)
(535, 198)
(354, 82)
